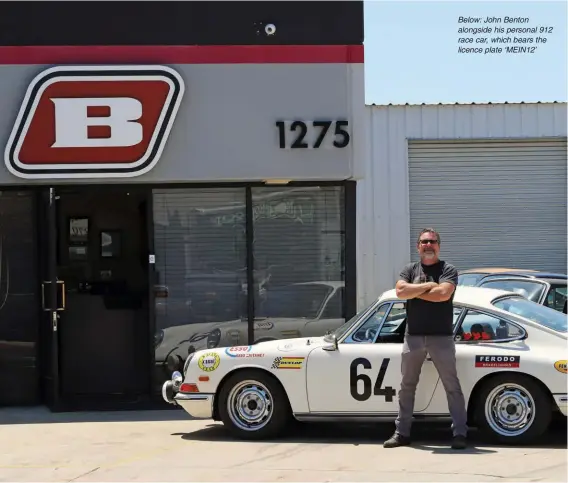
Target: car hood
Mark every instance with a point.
(291, 345)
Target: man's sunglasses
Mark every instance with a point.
(426, 242)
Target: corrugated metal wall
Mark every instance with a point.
(383, 206)
(498, 203)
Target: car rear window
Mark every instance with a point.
(537, 313)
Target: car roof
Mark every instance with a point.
(495, 270)
(465, 295)
(548, 276)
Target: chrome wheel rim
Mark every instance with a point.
(250, 405)
(509, 409)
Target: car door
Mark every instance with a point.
(363, 375)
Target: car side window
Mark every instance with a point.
(367, 331)
(556, 298)
(394, 327)
(479, 327)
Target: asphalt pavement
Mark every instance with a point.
(36, 445)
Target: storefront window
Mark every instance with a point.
(298, 261)
(200, 248)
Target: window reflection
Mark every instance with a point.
(200, 247)
(298, 261)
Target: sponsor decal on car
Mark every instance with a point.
(560, 366)
(209, 362)
(263, 325)
(241, 351)
(497, 361)
(287, 363)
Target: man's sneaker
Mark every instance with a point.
(459, 442)
(396, 440)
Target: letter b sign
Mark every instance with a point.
(94, 122)
(72, 122)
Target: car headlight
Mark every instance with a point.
(158, 338)
(213, 339)
(187, 361)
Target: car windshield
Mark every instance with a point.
(527, 288)
(295, 301)
(470, 279)
(346, 327)
(537, 313)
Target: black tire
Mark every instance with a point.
(281, 412)
(541, 411)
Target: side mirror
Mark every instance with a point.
(330, 343)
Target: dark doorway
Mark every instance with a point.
(103, 295)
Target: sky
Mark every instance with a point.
(411, 53)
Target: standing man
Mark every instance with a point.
(428, 286)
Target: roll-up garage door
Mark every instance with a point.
(495, 203)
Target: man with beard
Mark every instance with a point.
(428, 286)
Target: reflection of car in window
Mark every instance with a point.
(305, 309)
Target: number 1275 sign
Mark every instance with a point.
(313, 134)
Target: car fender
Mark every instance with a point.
(265, 357)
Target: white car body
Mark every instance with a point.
(322, 377)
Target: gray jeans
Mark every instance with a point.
(442, 351)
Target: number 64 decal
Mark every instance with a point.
(387, 392)
(300, 130)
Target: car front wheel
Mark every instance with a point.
(513, 409)
(253, 405)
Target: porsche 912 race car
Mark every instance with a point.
(511, 359)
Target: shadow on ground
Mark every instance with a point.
(431, 437)
(42, 415)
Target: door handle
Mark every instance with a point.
(60, 298)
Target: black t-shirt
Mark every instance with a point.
(424, 317)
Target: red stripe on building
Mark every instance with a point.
(184, 54)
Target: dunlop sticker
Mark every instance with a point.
(287, 363)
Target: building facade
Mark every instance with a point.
(491, 178)
(182, 183)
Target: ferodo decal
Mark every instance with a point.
(94, 122)
(560, 366)
(209, 362)
(287, 363)
(241, 351)
(497, 361)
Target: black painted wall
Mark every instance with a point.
(19, 300)
(181, 23)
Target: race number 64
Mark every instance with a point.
(354, 377)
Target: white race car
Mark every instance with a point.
(511, 358)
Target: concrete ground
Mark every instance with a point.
(36, 445)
